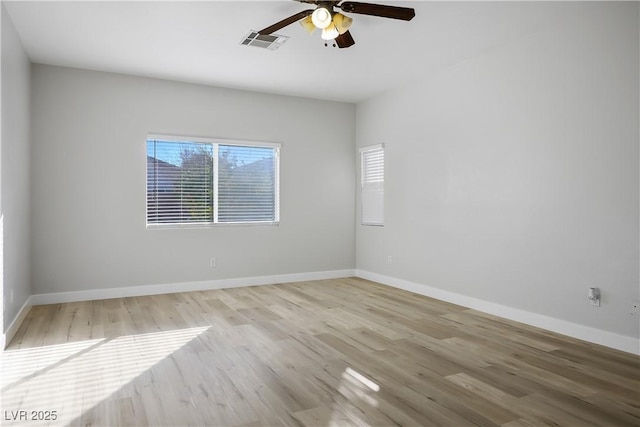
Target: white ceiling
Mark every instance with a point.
(200, 42)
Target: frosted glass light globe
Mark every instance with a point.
(321, 17)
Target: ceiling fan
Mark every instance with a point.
(335, 25)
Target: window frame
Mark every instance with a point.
(368, 192)
(216, 143)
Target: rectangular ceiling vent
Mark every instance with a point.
(270, 41)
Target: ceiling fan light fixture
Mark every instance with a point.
(330, 33)
(308, 24)
(342, 22)
(321, 17)
(335, 26)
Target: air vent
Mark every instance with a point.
(270, 41)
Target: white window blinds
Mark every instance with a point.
(179, 182)
(372, 184)
(196, 181)
(246, 184)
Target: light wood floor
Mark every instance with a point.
(336, 352)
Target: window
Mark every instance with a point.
(372, 184)
(202, 181)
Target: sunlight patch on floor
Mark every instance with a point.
(72, 378)
(357, 386)
(360, 403)
(350, 374)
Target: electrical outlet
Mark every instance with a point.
(389, 259)
(635, 307)
(594, 296)
(212, 262)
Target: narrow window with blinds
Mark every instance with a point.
(372, 184)
(202, 181)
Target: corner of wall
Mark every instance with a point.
(15, 153)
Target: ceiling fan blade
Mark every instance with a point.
(395, 12)
(287, 21)
(345, 40)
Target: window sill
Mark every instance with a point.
(211, 225)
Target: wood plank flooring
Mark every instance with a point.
(336, 352)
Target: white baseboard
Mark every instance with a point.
(586, 333)
(574, 330)
(15, 324)
(169, 288)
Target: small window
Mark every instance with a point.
(202, 181)
(372, 184)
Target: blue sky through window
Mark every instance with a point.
(170, 151)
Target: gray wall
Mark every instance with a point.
(89, 182)
(512, 177)
(14, 176)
